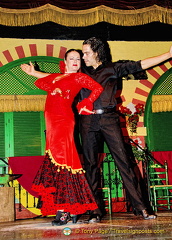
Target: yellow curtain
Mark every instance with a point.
(81, 18)
(22, 103)
(161, 103)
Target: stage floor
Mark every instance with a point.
(120, 226)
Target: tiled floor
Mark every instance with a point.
(120, 226)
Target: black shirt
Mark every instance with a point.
(108, 76)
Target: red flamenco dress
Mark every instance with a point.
(60, 181)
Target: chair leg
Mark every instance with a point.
(109, 201)
(155, 199)
(107, 190)
(168, 199)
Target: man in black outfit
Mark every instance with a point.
(106, 121)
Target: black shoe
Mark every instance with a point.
(61, 218)
(75, 218)
(146, 215)
(94, 218)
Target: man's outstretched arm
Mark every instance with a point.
(153, 61)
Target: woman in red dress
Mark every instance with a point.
(61, 181)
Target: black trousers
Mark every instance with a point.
(108, 126)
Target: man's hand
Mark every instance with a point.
(56, 90)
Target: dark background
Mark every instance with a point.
(154, 31)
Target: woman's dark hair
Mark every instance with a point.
(73, 50)
(99, 47)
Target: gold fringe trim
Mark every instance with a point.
(81, 18)
(22, 103)
(62, 166)
(161, 103)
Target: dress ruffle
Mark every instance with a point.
(62, 190)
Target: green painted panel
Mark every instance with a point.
(112, 177)
(27, 134)
(9, 134)
(2, 136)
(161, 134)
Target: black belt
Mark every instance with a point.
(104, 110)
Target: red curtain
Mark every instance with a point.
(28, 167)
(84, 4)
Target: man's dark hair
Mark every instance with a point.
(99, 47)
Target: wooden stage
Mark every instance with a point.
(120, 226)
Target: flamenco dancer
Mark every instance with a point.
(60, 180)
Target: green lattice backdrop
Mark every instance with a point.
(14, 81)
(165, 87)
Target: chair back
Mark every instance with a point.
(157, 173)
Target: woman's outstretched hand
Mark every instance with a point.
(28, 68)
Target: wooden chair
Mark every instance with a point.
(160, 190)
